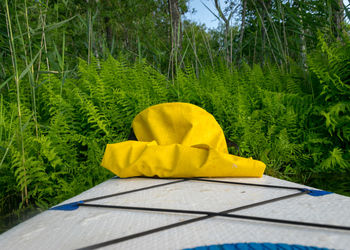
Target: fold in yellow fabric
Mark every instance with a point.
(177, 140)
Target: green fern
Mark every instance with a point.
(335, 160)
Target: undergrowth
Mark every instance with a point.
(296, 122)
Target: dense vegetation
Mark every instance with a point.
(73, 75)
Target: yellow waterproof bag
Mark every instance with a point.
(177, 140)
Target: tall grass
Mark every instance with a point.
(17, 82)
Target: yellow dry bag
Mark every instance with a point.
(177, 140)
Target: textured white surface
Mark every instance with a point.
(86, 226)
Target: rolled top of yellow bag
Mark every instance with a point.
(179, 123)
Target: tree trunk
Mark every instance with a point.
(106, 5)
(263, 36)
(109, 35)
(176, 34)
(263, 27)
(227, 29)
(338, 17)
(302, 38)
(285, 41)
(244, 10)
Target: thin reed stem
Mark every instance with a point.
(15, 69)
(89, 34)
(31, 72)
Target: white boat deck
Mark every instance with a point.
(86, 226)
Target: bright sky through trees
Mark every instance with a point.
(203, 16)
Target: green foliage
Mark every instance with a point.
(331, 113)
(64, 96)
(267, 112)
